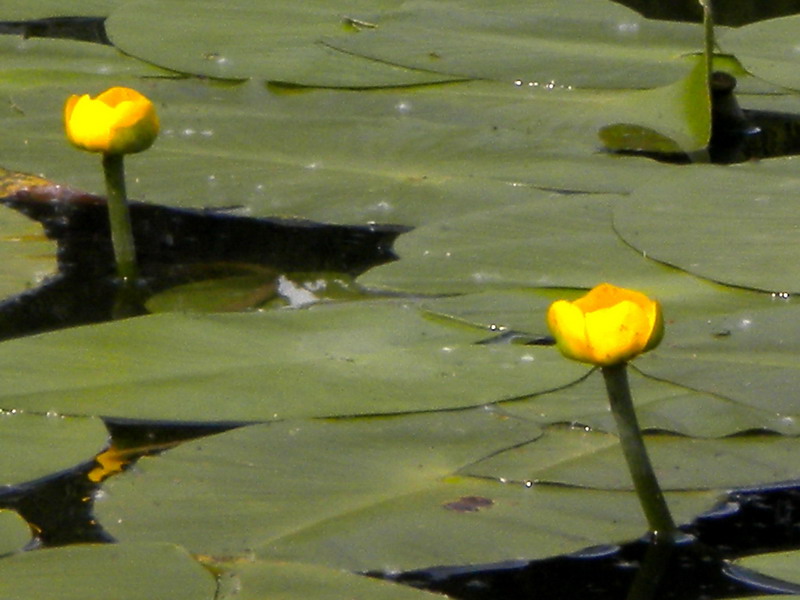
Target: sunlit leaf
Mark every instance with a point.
(121, 571)
(277, 580)
(550, 43)
(278, 41)
(325, 361)
(674, 118)
(360, 494)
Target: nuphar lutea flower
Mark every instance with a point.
(607, 326)
(118, 121)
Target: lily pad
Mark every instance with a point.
(122, 571)
(747, 357)
(368, 493)
(70, 441)
(677, 117)
(296, 581)
(573, 456)
(783, 566)
(579, 44)
(731, 225)
(660, 406)
(518, 245)
(767, 49)
(276, 42)
(14, 532)
(18, 10)
(328, 360)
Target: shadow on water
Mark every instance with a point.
(173, 246)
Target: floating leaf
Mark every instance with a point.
(14, 532)
(324, 361)
(675, 118)
(660, 406)
(554, 44)
(361, 494)
(278, 41)
(747, 357)
(280, 580)
(767, 49)
(121, 571)
(572, 456)
(70, 441)
(734, 226)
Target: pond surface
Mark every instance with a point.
(350, 229)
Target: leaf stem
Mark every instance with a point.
(119, 218)
(644, 479)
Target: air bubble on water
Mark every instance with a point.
(188, 132)
(403, 107)
(527, 358)
(313, 165)
(447, 349)
(528, 483)
(781, 295)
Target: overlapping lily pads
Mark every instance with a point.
(329, 360)
(582, 43)
(732, 225)
(279, 41)
(768, 49)
(748, 357)
(371, 493)
(279, 580)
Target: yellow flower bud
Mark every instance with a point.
(118, 121)
(607, 326)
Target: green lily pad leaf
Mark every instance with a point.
(767, 49)
(747, 357)
(549, 43)
(660, 406)
(36, 62)
(262, 580)
(739, 234)
(547, 242)
(361, 494)
(784, 566)
(70, 441)
(355, 358)
(121, 571)
(278, 41)
(19, 10)
(14, 532)
(675, 118)
(573, 456)
(406, 156)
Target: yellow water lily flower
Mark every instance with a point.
(118, 121)
(607, 326)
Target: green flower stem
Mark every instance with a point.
(120, 218)
(644, 478)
